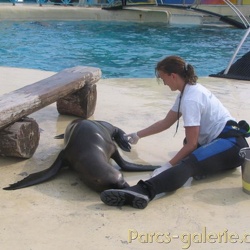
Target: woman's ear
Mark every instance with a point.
(173, 75)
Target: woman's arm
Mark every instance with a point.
(192, 134)
(159, 126)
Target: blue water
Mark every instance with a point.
(119, 49)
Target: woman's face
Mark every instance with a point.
(168, 79)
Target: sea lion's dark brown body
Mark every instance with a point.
(89, 145)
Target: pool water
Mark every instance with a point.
(119, 49)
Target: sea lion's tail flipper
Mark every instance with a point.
(39, 177)
(132, 167)
(61, 136)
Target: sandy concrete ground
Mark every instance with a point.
(64, 214)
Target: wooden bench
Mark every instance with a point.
(73, 89)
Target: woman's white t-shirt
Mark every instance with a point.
(199, 107)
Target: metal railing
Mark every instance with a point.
(74, 2)
(59, 2)
(246, 23)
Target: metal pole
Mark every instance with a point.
(237, 50)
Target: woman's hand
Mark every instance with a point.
(132, 138)
(161, 169)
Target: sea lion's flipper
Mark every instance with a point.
(39, 177)
(117, 135)
(61, 136)
(132, 167)
(119, 138)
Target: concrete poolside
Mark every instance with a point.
(22, 11)
(64, 214)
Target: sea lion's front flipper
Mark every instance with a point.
(132, 167)
(119, 138)
(39, 177)
(116, 134)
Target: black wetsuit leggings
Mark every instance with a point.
(220, 154)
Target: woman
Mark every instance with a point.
(212, 144)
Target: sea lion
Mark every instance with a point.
(89, 145)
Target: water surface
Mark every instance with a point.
(120, 49)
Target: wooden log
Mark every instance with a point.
(20, 139)
(26, 100)
(82, 103)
